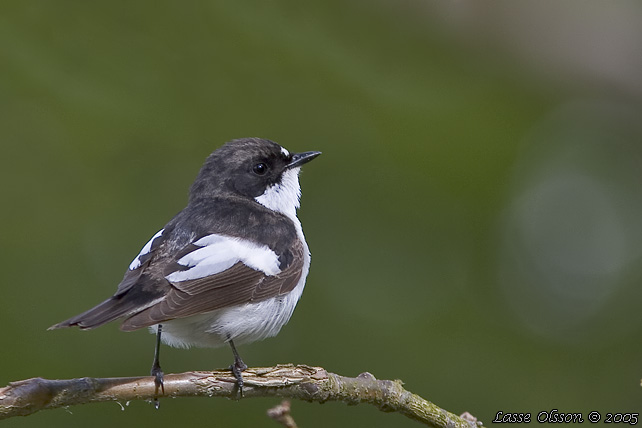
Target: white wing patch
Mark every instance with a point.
(135, 264)
(218, 253)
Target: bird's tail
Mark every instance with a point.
(109, 310)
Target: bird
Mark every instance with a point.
(227, 269)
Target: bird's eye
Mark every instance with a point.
(260, 168)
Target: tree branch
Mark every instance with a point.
(313, 384)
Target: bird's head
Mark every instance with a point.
(253, 168)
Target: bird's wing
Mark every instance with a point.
(135, 292)
(140, 263)
(219, 271)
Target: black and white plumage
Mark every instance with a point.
(230, 267)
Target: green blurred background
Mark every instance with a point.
(475, 220)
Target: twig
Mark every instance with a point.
(313, 384)
(281, 414)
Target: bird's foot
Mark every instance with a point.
(237, 369)
(158, 382)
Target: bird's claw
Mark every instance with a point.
(237, 369)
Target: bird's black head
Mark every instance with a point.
(249, 167)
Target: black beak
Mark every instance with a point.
(299, 159)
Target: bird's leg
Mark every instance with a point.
(237, 368)
(156, 368)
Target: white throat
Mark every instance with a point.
(283, 196)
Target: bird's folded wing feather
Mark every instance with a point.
(218, 271)
(135, 292)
